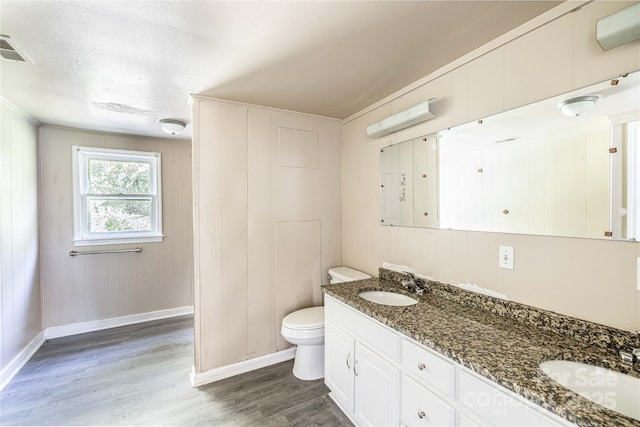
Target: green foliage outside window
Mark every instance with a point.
(129, 182)
(118, 177)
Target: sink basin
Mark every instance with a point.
(387, 298)
(611, 389)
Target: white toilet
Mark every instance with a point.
(305, 329)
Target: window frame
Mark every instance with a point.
(633, 188)
(82, 236)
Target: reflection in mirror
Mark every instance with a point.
(531, 170)
(537, 170)
(409, 183)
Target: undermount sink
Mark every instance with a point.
(613, 390)
(387, 298)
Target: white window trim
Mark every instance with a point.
(633, 188)
(81, 237)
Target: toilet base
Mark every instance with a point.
(309, 362)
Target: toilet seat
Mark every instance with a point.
(305, 319)
(303, 336)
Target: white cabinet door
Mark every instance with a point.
(339, 358)
(377, 389)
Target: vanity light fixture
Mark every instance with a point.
(409, 117)
(172, 126)
(575, 106)
(619, 28)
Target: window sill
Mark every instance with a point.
(118, 241)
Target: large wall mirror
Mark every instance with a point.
(565, 166)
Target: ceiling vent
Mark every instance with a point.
(10, 50)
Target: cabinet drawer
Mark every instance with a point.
(495, 405)
(421, 407)
(466, 420)
(428, 367)
(376, 335)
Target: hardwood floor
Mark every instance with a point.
(138, 375)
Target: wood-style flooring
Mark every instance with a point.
(138, 375)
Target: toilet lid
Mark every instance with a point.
(307, 318)
(347, 274)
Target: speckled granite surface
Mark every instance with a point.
(589, 332)
(502, 341)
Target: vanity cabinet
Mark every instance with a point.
(378, 376)
(377, 383)
(434, 389)
(338, 364)
(363, 382)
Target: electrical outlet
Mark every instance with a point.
(506, 257)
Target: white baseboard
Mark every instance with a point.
(19, 361)
(23, 357)
(96, 325)
(223, 372)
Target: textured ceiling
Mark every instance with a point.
(120, 66)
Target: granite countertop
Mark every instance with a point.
(499, 347)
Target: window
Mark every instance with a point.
(633, 189)
(117, 196)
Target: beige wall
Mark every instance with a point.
(19, 261)
(267, 224)
(95, 287)
(588, 279)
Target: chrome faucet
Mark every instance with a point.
(414, 284)
(632, 356)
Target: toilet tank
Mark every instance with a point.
(346, 274)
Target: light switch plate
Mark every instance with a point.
(506, 256)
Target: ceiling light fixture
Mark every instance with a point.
(172, 126)
(578, 105)
(409, 117)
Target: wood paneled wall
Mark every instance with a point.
(589, 279)
(19, 259)
(95, 287)
(267, 224)
(558, 186)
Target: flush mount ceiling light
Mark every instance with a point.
(578, 105)
(409, 117)
(172, 126)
